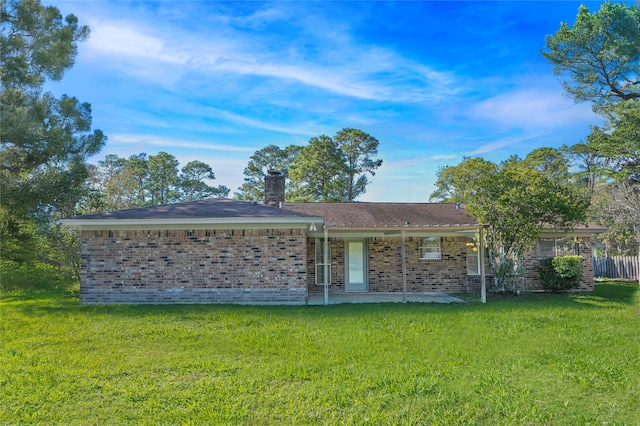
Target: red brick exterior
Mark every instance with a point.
(200, 266)
(264, 266)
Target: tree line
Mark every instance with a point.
(329, 169)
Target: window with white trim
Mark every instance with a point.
(473, 258)
(430, 248)
(552, 247)
(320, 261)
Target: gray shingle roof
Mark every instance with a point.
(209, 208)
(337, 215)
(386, 214)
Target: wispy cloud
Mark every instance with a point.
(360, 71)
(309, 129)
(147, 140)
(532, 108)
(502, 143)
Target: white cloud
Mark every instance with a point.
(122, 39)
(532, 108)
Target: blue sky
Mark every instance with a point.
(432, 81)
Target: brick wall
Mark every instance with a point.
(201, 266)
(446, 275)
(385, 267)
(385, 263)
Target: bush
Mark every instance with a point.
(561, 273)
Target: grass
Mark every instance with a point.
(542, 359)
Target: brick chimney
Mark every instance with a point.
(273, 188)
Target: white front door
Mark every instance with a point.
(356, 266)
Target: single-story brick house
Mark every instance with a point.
(229, 251)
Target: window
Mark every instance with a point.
(430, 248)
(566, 247)
(320, 261)
(552, 247)
(473, 258)
(546, 247)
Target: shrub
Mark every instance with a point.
(561, 273)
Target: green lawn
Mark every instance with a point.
(541, 359)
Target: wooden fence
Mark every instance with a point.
(624, 267)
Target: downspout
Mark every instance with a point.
(483, 278)
(404, 268)
(325, 260)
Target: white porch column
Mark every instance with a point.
(326, 260)
(483, 278)
(404, 268)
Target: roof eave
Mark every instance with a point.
(575, 231)
(408, 228)
(186, 222)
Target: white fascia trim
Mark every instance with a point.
(185, 223)
(396, 232)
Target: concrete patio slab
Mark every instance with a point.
(318, 298)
